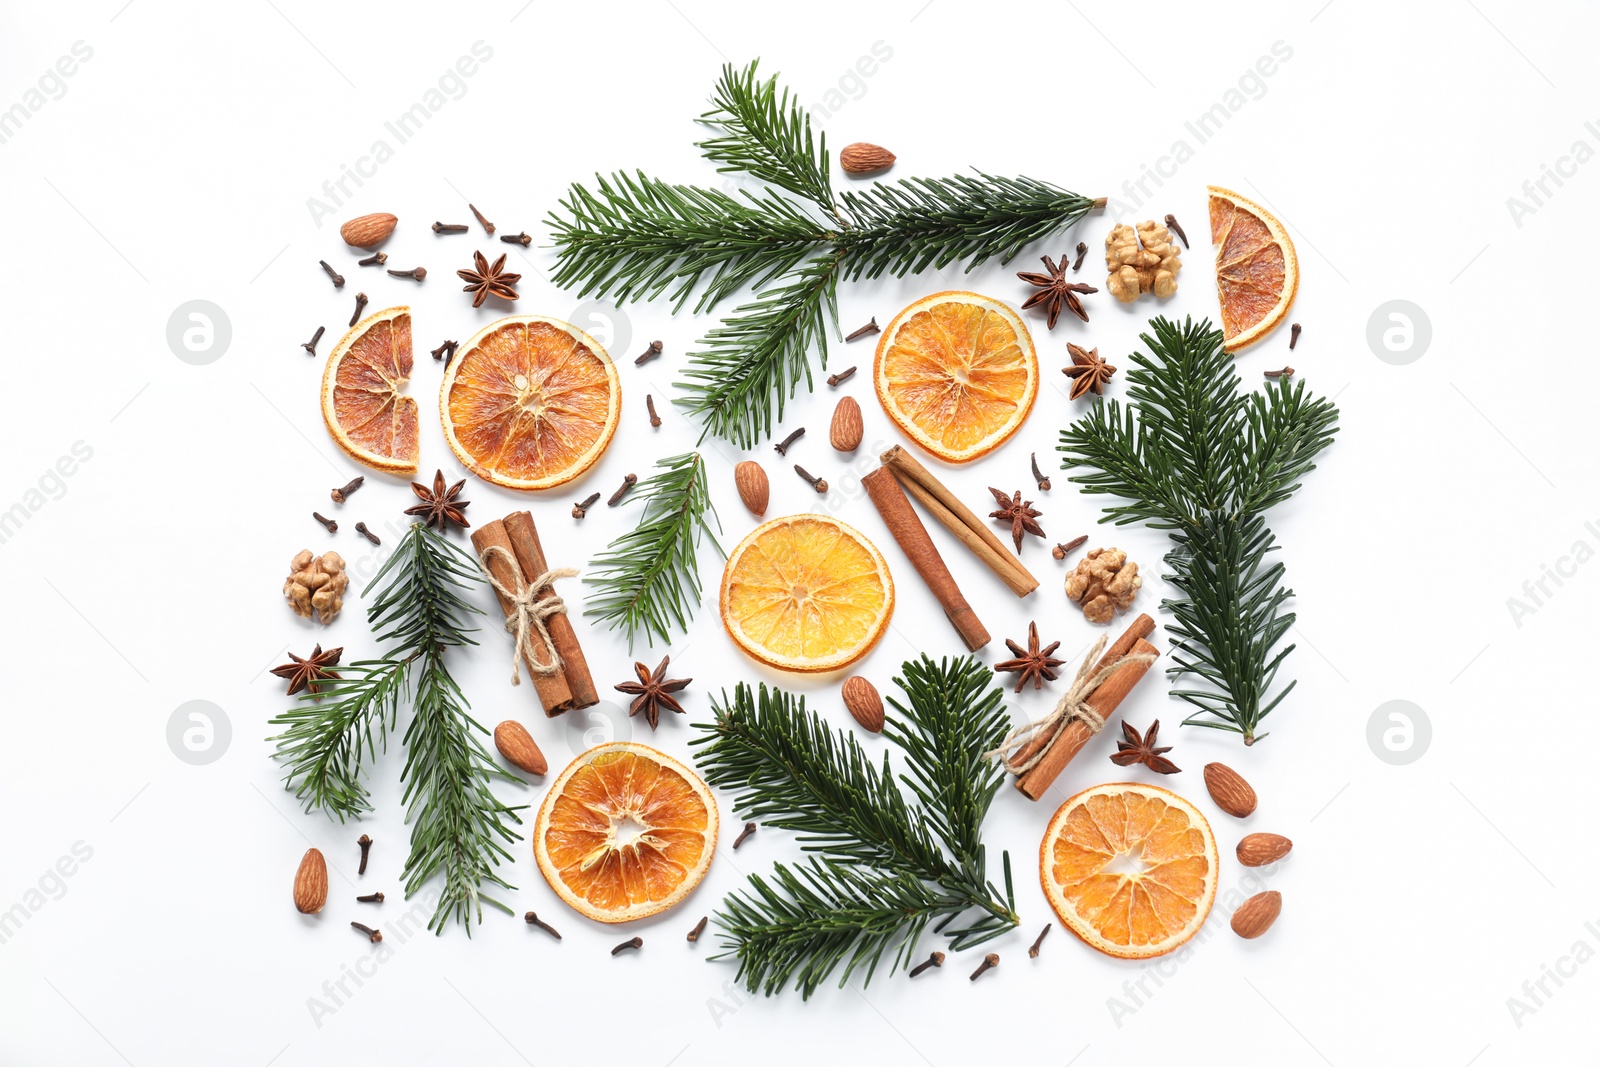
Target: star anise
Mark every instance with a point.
(1136, 749)
(1034, 662)
(306, 673)
(654, 691)
(1056, 292)
(1089, 373)
(487, 281)
(1019, 513)
(439, 505)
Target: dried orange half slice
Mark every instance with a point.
(625, 832)
(806, 593)
(1258, 274)
(361, 401)
(530, 402)
(957, 373)
(1130, 868)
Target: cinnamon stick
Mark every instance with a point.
(575, 668)
(912, 536)
(1104, 700)
(554, 694)
(959, 520)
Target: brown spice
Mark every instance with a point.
(581, 508)
(361, 528)
(1172, 224)
(333, 527)
(649, 353)
(532, 919)
(653, 691)
(1033, 950)
(307, 673)
(311, 345)
(1287, 372)
(341, 494)
(1135, 749)
(1031, 663)
(361, 302)
(628, 482)
(517, 239)
(439, 505)
(1064, 549)
(1294, 335)
(863, 331)
(449, 227)
(338, 279)
(372, 935)
(1083, 250)
(415, 273)
(370, 898)
(485, 279)
(934, 960)
(819, 484)
(446, 351)
(1019, 513)
(366, 846)
(782, 447)
(632, 942)
(842, 376)
(650, 403)
(744, 835)
(1055, 292)
(1044, 482)
(991, 961)
(377, 259)
(488, 227)
(699, 928)
(1089, 373)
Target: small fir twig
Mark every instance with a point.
(649, 579)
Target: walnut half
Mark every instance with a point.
(316, 585)
(1142, 260)
(1104, 582)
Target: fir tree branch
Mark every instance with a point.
(766, 135)
(1192, 455)
(649, 579)
(877, 878)
(747, 367)
(330, 734)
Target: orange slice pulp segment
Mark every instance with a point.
(1258, 273)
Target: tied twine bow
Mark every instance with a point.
(1073, 706)
(527, 618)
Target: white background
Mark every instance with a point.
(178, 163)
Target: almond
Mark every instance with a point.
(1258, 850)
(847, 429)
(1257, 914)
(751, 482)
(862, 700)
(516, 745)
(864, 158)
(368, 231)
(311, 883)
(1231, 792)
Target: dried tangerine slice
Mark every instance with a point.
(806, 593)
(1130, 868)
(1258, 273)
(957, 373)
(530, 402)
(625, 832)
(362, 405)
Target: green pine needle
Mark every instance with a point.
(883, 869)
(635, 237)
(458, 828)
(649, 579)
(1191, 455)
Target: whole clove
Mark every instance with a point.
(1033, 950)
(632, 942)
(488, 227)
(1172, 224)
(581, 508)
(935, 960)
(699, 928)
(749, 828)
(1294, 335)
(361, 302)
(842, 376)
(1083, 250)
(446, 351)
(628, 481)
(1287, 372)
(1062, 550)
(338, 279)
(377, 259)
(650, 402)
(649, 353)
(517, 239)
(782, 447)
(819, 484)
(532, 919)
(366, 846)
(311, 345)
(370, 898)
(333, 527)
(361, 528)
(449, 227)
(869, 328)
(372, 935)
(416, 273)
(991, 961)
(341, 494)
(1044, 483)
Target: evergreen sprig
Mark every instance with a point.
(649, 579)
(1191, 455)
(635, 237)
(883, 869)
(458, 828)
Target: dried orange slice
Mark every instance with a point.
(530, 402)
(957, 373)
(806, 593)
(1130, 868)
(361, 402)
(1257, 272)
(625, 832)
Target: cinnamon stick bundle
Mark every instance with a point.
(1104, 700)
(571, 686)
(912, 536)
(960, 520)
